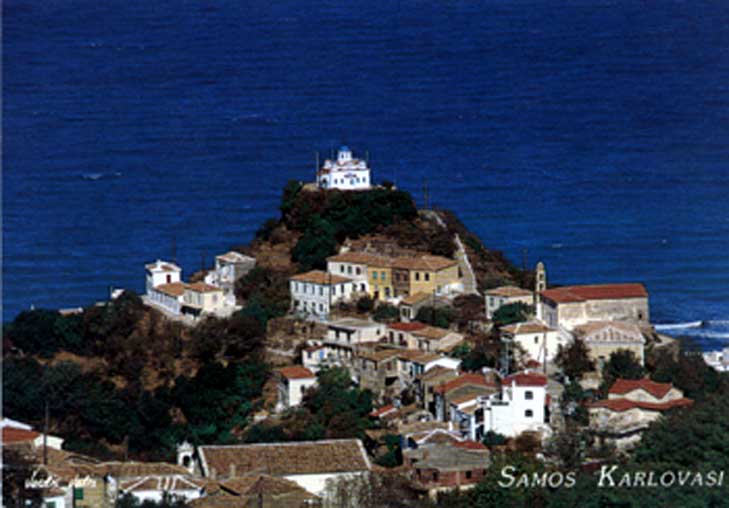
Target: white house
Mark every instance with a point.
(538, 341)
(229, 267)
(570, 306)
(15, 432)
(310, 464)
(162, 272)
(354, 266)
(344, 173)
(519, 407)
(506, 295)
(314, 293)
(293, 382)
(354, 331)
(200, 298)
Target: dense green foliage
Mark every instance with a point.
(265, 293)
(512, 313)
(574, 360)
(393, 456)
(102, 400)
(622, 364)
(334, 409)
(327, 218)
(385, 313)
(436, 316)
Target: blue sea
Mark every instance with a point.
(592, 135)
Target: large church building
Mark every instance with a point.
(344, 173)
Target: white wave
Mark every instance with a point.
(92, 176)
(718, 322)
(680, 326)
(714, 335)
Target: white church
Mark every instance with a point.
(344, 173)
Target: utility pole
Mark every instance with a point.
(45, 432)
(426, 196)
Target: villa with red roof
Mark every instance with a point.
(630, 407)
(570, 306)
(416, 335)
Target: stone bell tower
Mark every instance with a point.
(540, 284)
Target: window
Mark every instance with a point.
(321, 307)
(349, 270)
(374, 275)
(417, 275)
(427, 276)
(358, 270)
(334, 290)
(303, 389)
(536, 339)
(321, 291)
(529, 395)
(78, 494)
(468, 475)
(382, 275)
(341, 268)
(528, 413)
(362, 287)
(169, 278)
(491, 301)
(387, 292)
(435, 476)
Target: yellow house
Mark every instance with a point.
(379, 276)
(430, 274)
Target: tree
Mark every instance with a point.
(441, 317)
(512, 313)
(316, 244)
(622, 364)
(385, 313)
(492, 438)
(574, 360)
(365, 304)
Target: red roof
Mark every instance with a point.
(569, 294)
(469, 445)
(525, 379)
(407, 327)
(376, 413)
(463, 379)
(658, 390)
(296, 372)
(626, 404)
(15, 435)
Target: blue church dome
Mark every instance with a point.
(344, 148)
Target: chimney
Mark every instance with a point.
(232, 470)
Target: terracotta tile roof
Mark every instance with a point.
(13, 435)
(627, 404)
(570, 294)
(376, 413)
(423, 262)
(311, 349)
(320, 277)
(163, 267)
(436, 372)
(234, 257)
(431, 333)
(378, 356)
(360, 258)
(465, 398)
(463, 380)
(201, 287)
(134, 469)
(285, 459)
(172, 289)
(527, 327)
(161, 483)
(415, 298)
(470, 445)
(296, 372)
(508, 291)
(261, 484)
(525, 379)
(623, 386)
(407, 327)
